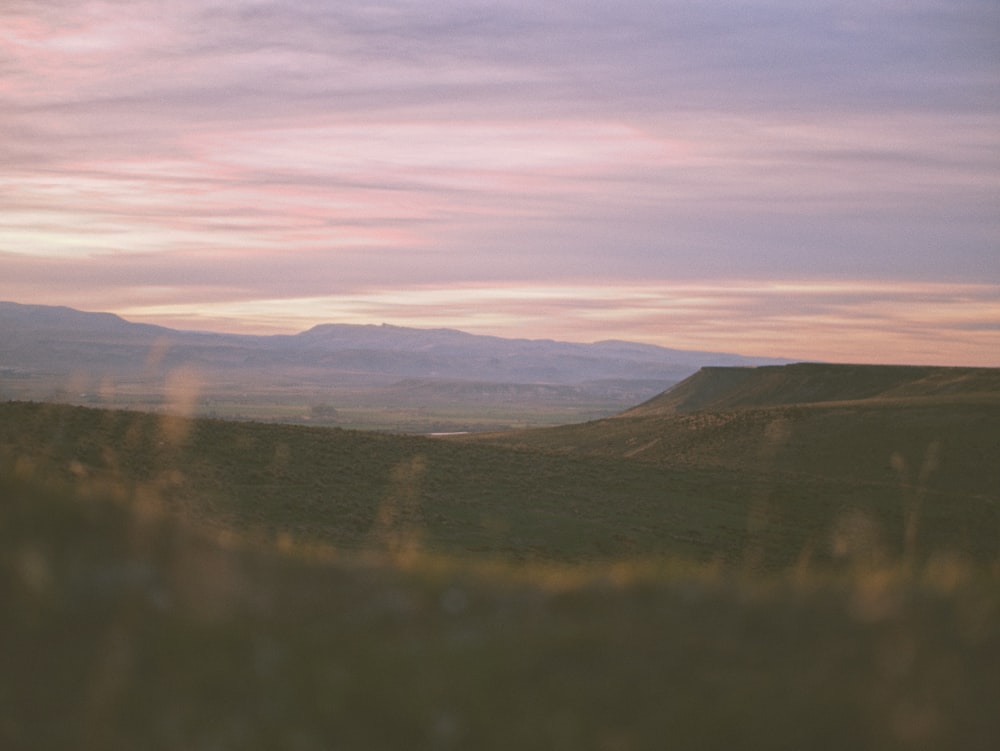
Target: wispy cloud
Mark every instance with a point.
(263, 153)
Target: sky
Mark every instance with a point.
(776, 178)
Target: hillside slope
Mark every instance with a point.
(200, 583)
(125, 630)
(723, 388)
(933, 429)
(690, 485)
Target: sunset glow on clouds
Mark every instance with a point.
(817, 181)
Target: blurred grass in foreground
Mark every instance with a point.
(123, 626)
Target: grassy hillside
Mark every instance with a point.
(348, 488)
(124, 627)
(935, 446)
(718, 388)
(793, 576)
(908, 453)
(616, 491)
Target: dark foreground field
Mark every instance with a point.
(201, 584)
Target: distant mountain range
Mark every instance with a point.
(45, 350)
(37, 336)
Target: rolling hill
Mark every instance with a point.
(650, 481)
(910, 442)
(813, 569)
(723, 388)
(830, 420)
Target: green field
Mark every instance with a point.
(702, 580)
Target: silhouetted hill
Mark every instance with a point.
(60, 340)
(714, 388)
(45, 318)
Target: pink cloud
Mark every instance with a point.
(178, 158)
